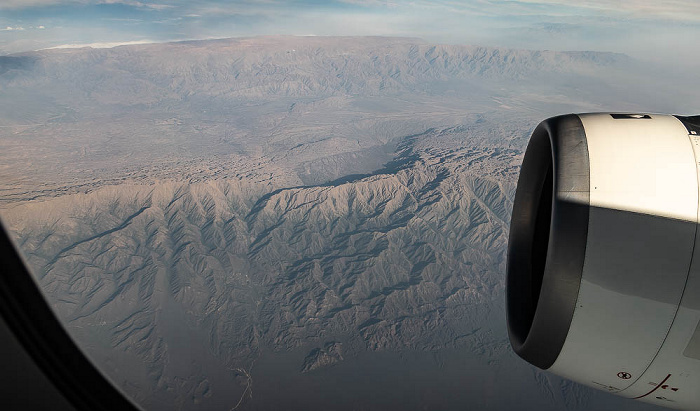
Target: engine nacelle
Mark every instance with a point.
(603, 282)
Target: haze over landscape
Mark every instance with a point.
(287, 222)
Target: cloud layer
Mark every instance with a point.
(653, 29)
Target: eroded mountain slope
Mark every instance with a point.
(404, 259)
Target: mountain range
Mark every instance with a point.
(292, 222)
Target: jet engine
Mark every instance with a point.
(603, 283)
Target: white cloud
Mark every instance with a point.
(684, 10)
(139, 4)
(22, 28)
(369, 3)
(24, 4)
(107, 45)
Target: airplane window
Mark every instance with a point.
(304, 205)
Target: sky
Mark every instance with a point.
(664, 31)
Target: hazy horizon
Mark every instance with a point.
(662, 32)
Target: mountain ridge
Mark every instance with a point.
(250, 222)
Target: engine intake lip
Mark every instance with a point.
(547, 241)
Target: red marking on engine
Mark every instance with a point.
(655, 388)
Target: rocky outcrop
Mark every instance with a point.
(330, 354)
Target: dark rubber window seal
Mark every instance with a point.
(34, 324)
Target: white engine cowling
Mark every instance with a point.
(603, 281)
